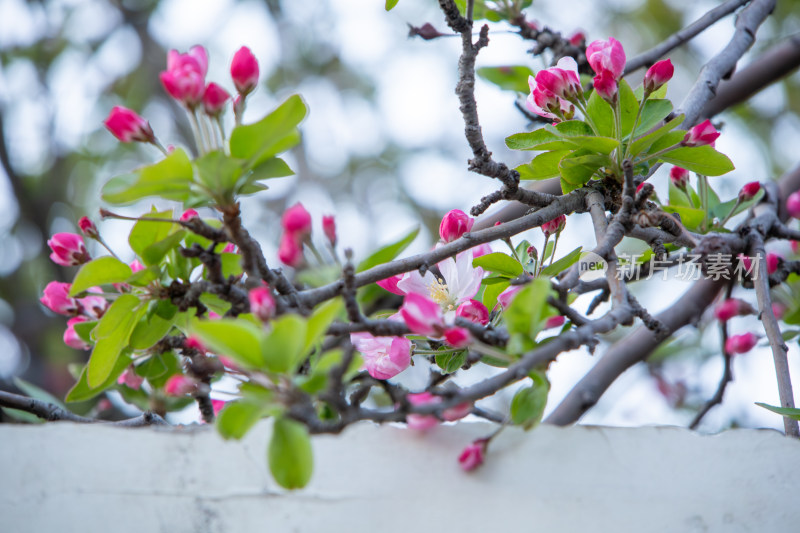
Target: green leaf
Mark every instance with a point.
(231, 264)
(99, 272)
(158, 368)
(151, 240)
(116, 314)
(721, 210)
(289, 455)
(571, 128)
(653, 113)
(601, 114)
(528, 309)
(700, 159)
(511, 78)
(543, 166)
(645, 142)
(81, 391)
(788, 412)
(491, 292)
(390, 4)
(218, 173)
(451, 361)
(541, 139)
(500, 263)
(170, 178)
(84, 330)
(285, 344)
(274, 167)
(255, 143)
(143, 278)
(629, 106)
(677, 198)
(578, 168)
(388, 252)
(237, 418)
(112, 334)
(319, 321)
(154, 327)
(563, 263)
(527, 406)
(690, 216)
(234, 338)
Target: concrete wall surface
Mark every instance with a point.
(63, 477)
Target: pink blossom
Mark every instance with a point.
(184, 78)
(179, 385)
(460, 282)
(455, 224)
(384, 357)
(606, 56)
(422, 422)
(778, 309)
(218, 405)
(473, 455)
(68, 249)
(730, 308)
(93, 306)
(329, 228)
(227, 362)
(136, 266)
(214, 99)
(773, 261)
(562, 80)
(474, 311)
(679, 177)
(290, 252)
(458, 412)
(422, 315)
(507, 296)
(71, 338)
(457, 337)
(390, 284)
(193, 343)
(555, 322)
(740, 343)
(793, 204)
(56, 298)
(127, 126)
(481, 249)
(640, 187)
(749, 191)
(658, 75)
(606, 86)
(700, 135)
(229, 248)
(577, 38)
(262, 304)
(88, 228)
(244, 70)
(297, 220)
(554, 226)
(188, 215)
(130, 378)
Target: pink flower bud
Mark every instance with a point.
(554, 226)
(658, 75)
(68, 249)
(555, 322)
(127, 126)
(88, 228)
(561, 80)
(422, 316)
(455, 224)
(262, 304)
(297, 220)
(700, 135)
(179, 385)
(188, 215)
(390, 284)
(244, 70)
(473, 455)
(218, 405)
(507, 296)
(607, 56)
(749, 190)
(732, 307)
(193, 343)
(740, 343)
(71, 338)
(422, 422)
(184, 78)
(773, 260)
(93, 306)
(290, 252)
(778, 309)
(793, 204)
(474, 311)
(457, 337)
(130, 378)
(136, 266)
(458, 412)
(384, 357)
(606, 86)
(56, 298)
(577, 38)
(679, 177)
(640, 187)
(214, 99)
(329, 228)
(229, 248)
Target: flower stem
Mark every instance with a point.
(659, 153)
(635, 125)
(730, 214)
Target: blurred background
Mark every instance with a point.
(383, 149)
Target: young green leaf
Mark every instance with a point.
(653, 113)
(170, 178)
(647, 141)
(601, 114)
(563, 263)
(526, 313)
(500, 263)
(527, 406)
(284, 346)
(81, 391)
(543, 166)
(236, 419)
(290, 457)
(789, 412)
(451, 361)
(628, 106)
(99, 272)
(701, 159)
(541, 139)
(390, 4)
(388, 252)
(238, 339)
(255, 143)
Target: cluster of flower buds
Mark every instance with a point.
(553, 90)
(296, 224)
(607, 59)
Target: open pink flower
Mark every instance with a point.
(562, 80)
(606, 56)
(71, 337)
(474, 311)
(127, 126)
(384, 357)
(390, 284)
(184, 78)
(455, 224)
(68, 249)
(459, 283)
(422, 315)
(657, 75)
(56, 298)
(700, 135)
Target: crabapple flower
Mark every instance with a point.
(481, 249)
(730, 308)
(460, 282)
(577, 38)
(88, 228)
(188, 215)
(56, 298)
(455, 224)
(700, 135)
(554, 226)
(793, 205)
(229, 248)
(193, 343)
(290, 251)
(606, 56)
(679, 177)
(546, 104)
(657, 75)
(136, 266)
(555, 322)
(329, 228)
(297, 220)
(457, 337)
(93, 306)
(71, 337)
(562, 80)
(473, 455)
(507, 296)
(778, 309)
(384, 357)
(244, 70)
(184, 79)
(179, 385)
(740, 343)
(218, 405)
(422, 422)
(68, 249)
(214, 99)
(422, 315)
(390, 284)
(130, 378)
(474, 311)
(606, 86)
(262, 304)
(749, 190)
(127, 126)
(773, 260)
